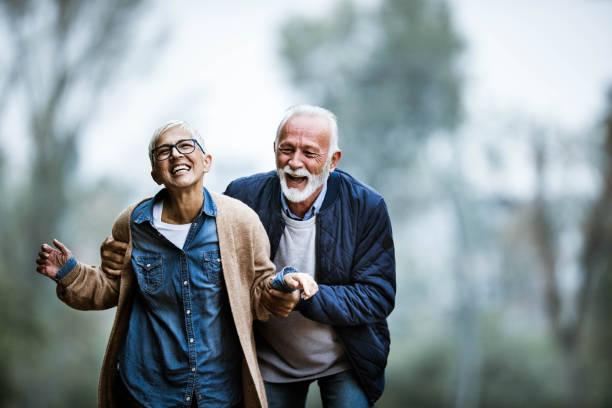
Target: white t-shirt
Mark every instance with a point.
(175, 233)
(297, 348)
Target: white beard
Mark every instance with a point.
(314, 181)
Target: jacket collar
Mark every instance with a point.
(144, 212)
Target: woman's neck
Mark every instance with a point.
(181, 207)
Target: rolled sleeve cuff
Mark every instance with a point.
(66, 268)
(279, 283)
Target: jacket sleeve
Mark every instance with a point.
(264, 271)
(88, 287)
(369, 296)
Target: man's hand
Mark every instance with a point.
(303, 281)
(279, 303)
(112, 253)
(51, 260)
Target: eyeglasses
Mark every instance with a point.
(183, 146)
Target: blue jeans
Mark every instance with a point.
(337, 391)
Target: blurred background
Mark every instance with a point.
(487, 126)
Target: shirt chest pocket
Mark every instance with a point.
(211, 262)
(149, 271)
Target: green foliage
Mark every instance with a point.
(520, 369)
(517, 370)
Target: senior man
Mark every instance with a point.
(196, 265)
(327, 224)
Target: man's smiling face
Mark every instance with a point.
(302, 156)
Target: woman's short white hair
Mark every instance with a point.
(169, 125)
(311, 110)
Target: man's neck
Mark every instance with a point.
(300, 209)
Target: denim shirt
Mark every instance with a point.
(181, 342)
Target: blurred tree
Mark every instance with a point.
(58, 55)
(566, 332)
(577, 313)
(578, 320)
(594, 295)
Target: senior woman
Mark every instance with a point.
(198, 263)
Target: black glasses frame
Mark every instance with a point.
(176, 146)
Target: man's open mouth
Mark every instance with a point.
(296, 179)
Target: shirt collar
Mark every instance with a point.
(209, 207)
(145, 212)
(311, 212)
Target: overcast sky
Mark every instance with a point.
(220, 70)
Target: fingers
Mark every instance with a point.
(44, 265)
(300, 280)
(44, 248)
(310, 287)
(279, 296)
(279, 303)
(62, 248)
(111, 271)
(45, 252)
(50, 260)
(114, 246)
(292, 281)
(112, 260)
(112, 253)
(42, 270)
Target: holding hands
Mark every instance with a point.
(284, 291)
(303, 282)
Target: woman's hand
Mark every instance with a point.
(51, 260)
(303, 281)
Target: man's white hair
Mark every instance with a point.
(169, 125)
(311, 110)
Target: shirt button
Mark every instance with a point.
(185, 283)
(199, 396)
(188, 311)
(191, 340)
(148, 265)
(193, 369)
(187, 399)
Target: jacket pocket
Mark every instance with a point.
(149, 271)
(212, 267)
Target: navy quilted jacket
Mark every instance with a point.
(355, 266)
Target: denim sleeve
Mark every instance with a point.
(66, 268)
(279, 283)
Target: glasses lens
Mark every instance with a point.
(185, 146)
(162, 153)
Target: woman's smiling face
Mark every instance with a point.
(180, 170)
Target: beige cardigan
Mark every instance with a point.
(247, 269)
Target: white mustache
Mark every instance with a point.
(296, 173)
